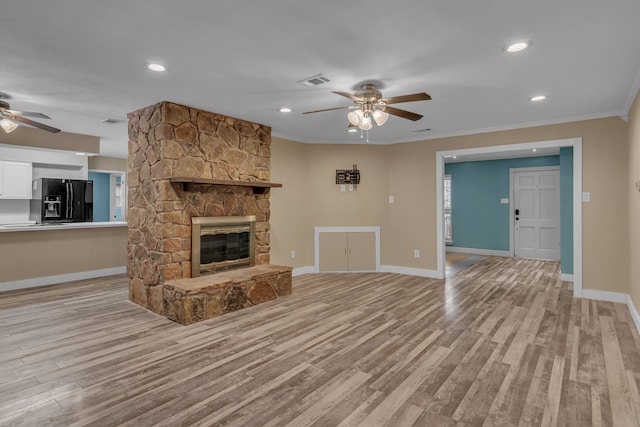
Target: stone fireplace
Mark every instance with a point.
(187, 163)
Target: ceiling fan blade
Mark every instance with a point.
(350, 96)
(327, 109)
(35, 124)
(407, 98)
(29, 114)
(402, 113)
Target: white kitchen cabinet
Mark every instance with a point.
(15, 180)
(347, 248)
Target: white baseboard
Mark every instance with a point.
(615, 297)
(566, 277)
(634, 313)
(474, 251)
(62, 278)
(605, 296)
(432, 274)
(302, 270)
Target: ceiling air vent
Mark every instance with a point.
(316, 80)
(111, 121)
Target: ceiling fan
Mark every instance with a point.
(371, 107)
(9, 119)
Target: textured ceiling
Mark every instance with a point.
(83, 62)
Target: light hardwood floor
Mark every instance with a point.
(502, 343)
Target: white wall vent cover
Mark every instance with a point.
(316, 80)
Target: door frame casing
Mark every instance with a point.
(512, 198)
(502, 150)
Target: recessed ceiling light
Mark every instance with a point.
(538, 98)
(352, 130)
(285, 110)
(455, 157)
(517, 47)
(156, 67)
(81, 154)
(534, 150)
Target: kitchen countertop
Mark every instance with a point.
(60, 226)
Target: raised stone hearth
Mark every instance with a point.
(187, 301)
(178, 156)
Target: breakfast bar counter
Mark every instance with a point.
(60, 226)
(37, 255)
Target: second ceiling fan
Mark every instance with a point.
(9, 119)
(371, 107)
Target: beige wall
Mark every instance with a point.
(290, 226)
(634, 201)
(30, 137)
(310, 197)
(42, 253)
(407, 171)
(604, 176)
(111, 164)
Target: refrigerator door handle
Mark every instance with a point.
(69, 201)
(73, 202)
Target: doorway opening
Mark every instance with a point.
(109, 195)
(516, 150)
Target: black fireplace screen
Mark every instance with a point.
(224, 247)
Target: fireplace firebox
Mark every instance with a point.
(222, 243)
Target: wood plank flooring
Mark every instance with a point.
(502, 343)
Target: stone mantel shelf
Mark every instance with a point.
(258, 186)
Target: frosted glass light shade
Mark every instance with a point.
(355, 117)
(8, 125)
(380, 117)
(365, 123)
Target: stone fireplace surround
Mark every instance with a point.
(184, 162)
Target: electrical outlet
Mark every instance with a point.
(343, 188)
(586, 196)
(416, 253)
(392, 200)
(293, 254)
(350, 187)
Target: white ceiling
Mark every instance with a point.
(82, 62)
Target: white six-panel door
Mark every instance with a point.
(536, 204)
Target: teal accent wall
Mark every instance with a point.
(479, 220)
(100, 196)
(566, 210)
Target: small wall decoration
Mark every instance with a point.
(348, 176)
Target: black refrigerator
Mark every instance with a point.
(62, 200)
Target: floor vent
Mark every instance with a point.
(316, 80)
